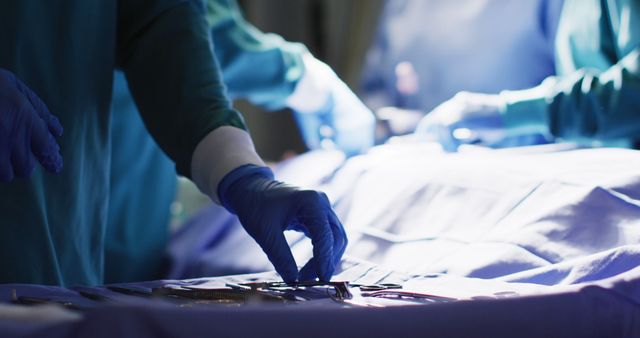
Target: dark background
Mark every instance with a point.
(335, 31)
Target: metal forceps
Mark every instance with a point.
(378, 287)
(408, 295)
(341, 288)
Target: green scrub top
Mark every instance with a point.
(596, 95)
(53, 226)
(260, 67)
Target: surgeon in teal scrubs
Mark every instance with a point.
(593, 100)
(57, 62)
(263, 68)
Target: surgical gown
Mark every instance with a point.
(53, 226)
(260, 67)
(596, 95)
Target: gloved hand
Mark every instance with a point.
(27, 131)
(266, 208)
(339, 119)
(464, 119)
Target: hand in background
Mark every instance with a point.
(465, 118)
(328, 113)
(27, 131)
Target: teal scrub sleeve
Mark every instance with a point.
(260, 67)
(173, 75)
(597, 92)
(586, 104)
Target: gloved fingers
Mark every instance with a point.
(354, 131)
(355, 141)
(295, 225)
(313, 216)
(429, 128)
(447, 140)
(22, 158)
(322, 241)
(486, 130)
(309, 126)
(339, 237)
(279, 254)
(55, 127)
(44, 147)
(437, 132)
(309, 271)
(53, 124)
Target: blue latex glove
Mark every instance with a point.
(341, 121)
(266, 208)
(344, 123)
(467, 118)
(27, 131)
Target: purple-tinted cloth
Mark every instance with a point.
(590, 312)
(608, 308)
(558, 229)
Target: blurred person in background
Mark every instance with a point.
(426, 51)
(593, 100)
